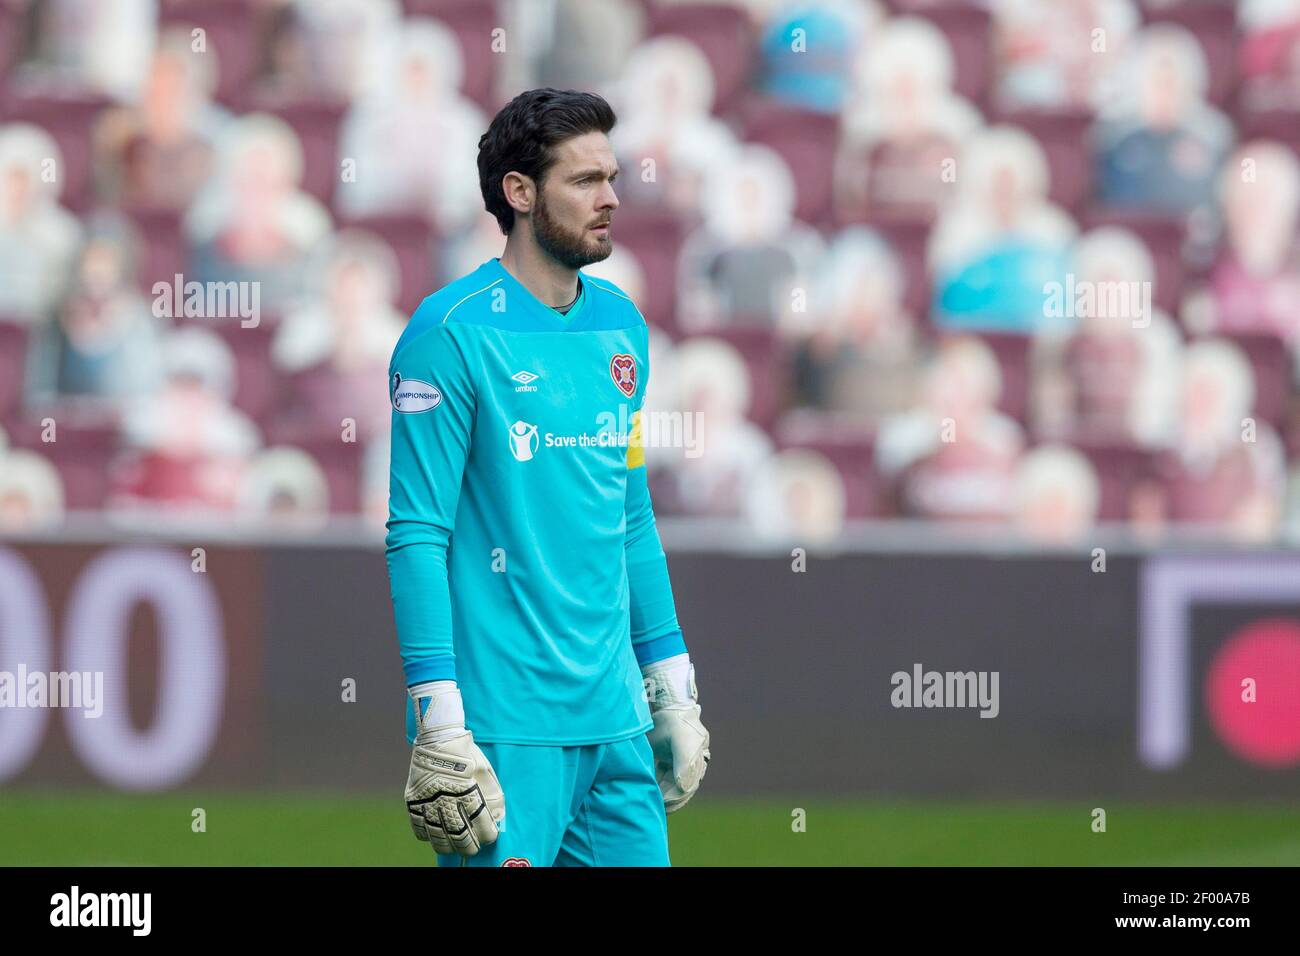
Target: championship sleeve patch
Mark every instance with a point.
(411, 395)
(635, 447)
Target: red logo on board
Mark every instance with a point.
(1266, 732)
(622, 369)
(515, 861)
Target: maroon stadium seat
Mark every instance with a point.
(13, 356)
(11, 39)
(807, 142)
(473, 22)
(1215, 28)
(341, 462)
(1163, 236)
(1063, 138)
(317, 124)
(851, 450)
(1280, 125)
(164, 254)
(1291, 437)
(412, 240)
(967, 30)
(1012, 351)
(83, 454)
(654, 236)
(1271, 364)
(71, 121)
(254, 376)
(757, 346)
(1120, 468)
(723, 33)
(230, 29)
(907, 239)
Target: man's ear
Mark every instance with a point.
(520, 192)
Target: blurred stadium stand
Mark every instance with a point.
(1183, 92)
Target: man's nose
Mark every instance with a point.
(608, 198)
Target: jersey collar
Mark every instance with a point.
(545, 315)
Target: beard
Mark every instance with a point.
(571, 249)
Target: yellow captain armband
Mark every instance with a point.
(635, 447)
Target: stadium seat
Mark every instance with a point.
(1163, 236)
(473, 22)
(317, 124)
(1012, 351)
(654, 236)
(1271, 364)
(13, 356)
(967, 29)
(84, 455)
(907, 239)
(11, 39)
(164, 254)
(255, 379)
(341, 461)
(1291, 431)
(1215, 27)
(230, 27)
(1063, 138)
(724, 34)
(71, 121)
(757, 346)
(807, 142)
(1119, 467)
(851, 449)
(412, 240)
(1282, 126)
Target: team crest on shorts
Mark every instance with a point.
(515, 861)
(622, 369)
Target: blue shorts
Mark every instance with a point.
(590, 805)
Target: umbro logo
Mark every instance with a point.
(525, 380)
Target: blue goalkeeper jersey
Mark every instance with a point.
(522, 551)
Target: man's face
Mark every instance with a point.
(576, 202)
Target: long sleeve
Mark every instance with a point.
(655, 632)
(433, 399)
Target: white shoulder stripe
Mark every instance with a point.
(597, 285)
(470, 296)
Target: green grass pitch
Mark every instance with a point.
(43, 828)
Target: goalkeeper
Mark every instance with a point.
(552, 703)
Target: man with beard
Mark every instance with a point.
(535, 616)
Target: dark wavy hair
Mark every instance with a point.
(521, 136)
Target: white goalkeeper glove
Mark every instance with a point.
(453, 795)
(679, 741)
